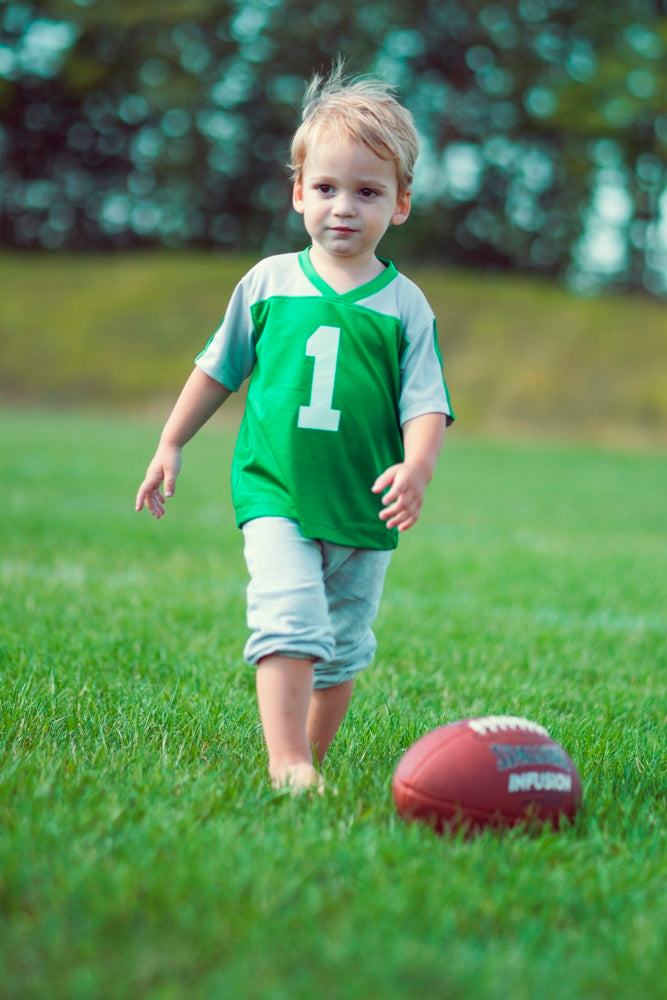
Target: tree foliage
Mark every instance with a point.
(544, 125)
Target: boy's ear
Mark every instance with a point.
(297, 197)
(402, 210)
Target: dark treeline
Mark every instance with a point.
(544, 125)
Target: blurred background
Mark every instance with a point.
(543, 123)
(166, 126)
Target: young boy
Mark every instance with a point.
(343, 423)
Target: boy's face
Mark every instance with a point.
(348, 197)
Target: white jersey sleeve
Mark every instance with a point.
(229, 356)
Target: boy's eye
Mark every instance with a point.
(324, 188)
(368, 193)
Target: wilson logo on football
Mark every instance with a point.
(511, 755)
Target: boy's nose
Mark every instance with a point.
(344, 205)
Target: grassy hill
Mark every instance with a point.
(521, 357)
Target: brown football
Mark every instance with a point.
(496, 770)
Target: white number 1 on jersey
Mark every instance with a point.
(319, 415)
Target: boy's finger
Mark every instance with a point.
(391, 496)
(385, 479)
(141, 499)
(397, 489)
(155, 503)
(391, 509)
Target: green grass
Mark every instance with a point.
(142, 852)
(520, 356)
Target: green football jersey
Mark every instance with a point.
(332, 379)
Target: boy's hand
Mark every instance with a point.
(160, 480)
(406, 482)
(405, 485)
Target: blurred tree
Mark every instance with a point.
(544, 125)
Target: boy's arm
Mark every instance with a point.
(406, 482)
(200, 397)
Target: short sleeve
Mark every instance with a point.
(423, 388)
(229, 356)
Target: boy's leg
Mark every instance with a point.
(284, 687)
(297, 720)
(330, 630)
(327, 710)
(354, 580)
(289, 619)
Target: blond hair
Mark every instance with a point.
(363, 110)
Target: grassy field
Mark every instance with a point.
(142, 852)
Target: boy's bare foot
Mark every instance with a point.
(297, 778)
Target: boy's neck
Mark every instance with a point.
(344, 274)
